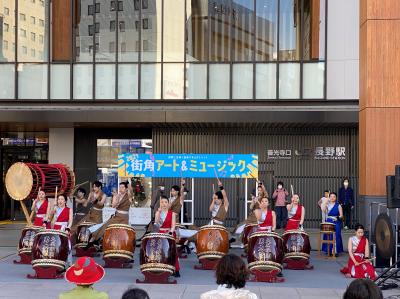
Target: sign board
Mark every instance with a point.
(188, 165)
(137, 216)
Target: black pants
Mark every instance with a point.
(281, 217)
(347, 215)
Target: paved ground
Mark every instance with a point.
(324, 281)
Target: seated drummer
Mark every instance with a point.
(296, 213)
(219, 206)
(177, 196)
(165, 219)
(121, 202)
(40, 209)
(266, 217)
(82, 205)
(60, 216)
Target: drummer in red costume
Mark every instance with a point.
(296, 213)
(61, 216)
(40, 209)
(166, 220)
(266, 217)
(358, 265)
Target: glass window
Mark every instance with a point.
(174, 30)
(7, 76)
(173, 81)
(265, 81)
(313, 80)
(150, 81)
(60, 81)
(289, 80)
(7, 23)
(128, 81)
(130, 36)
(220, 17)
(242, 81)
(243, 30)
(122, 26)
(32, 81)
(145, 4)
(83, 40)
(196, 78)
(38, 12)
(22, 17)
(33, 20)
(105, 37)
(152, 36)
(105, 81)
(289, 32)
(314, 30)
(33, 53)
(83, 81)
(219, 81)
(197, 26)
(266, 30)
(112, 26)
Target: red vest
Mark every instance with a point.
(268, 219)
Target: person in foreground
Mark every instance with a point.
(358, 265)
(135, 293)
(84, 273)
(231, 273)
(362, 289)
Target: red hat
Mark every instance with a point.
(85, 271)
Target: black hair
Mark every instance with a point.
(345, 179)
(80, 189)
(362, 289)
(62, 195)
(358, 226)
(135, 293)
(326, 191)
(176, 188)
(125, 184)
(219, 195)
(334, 193)
(279, 183)
(231, 271)
(98, 184)
(164, 197)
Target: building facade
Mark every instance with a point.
(278, 78)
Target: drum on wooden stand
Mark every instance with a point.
(247, 231)
(297, 250)
(157, 258)
(265, 256)
(25, 244)
(328, 227)
(211, 245)
(49, 253)
(82, 240)
(119, 244)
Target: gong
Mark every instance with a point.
(383, 235)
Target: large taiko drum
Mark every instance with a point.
(50, 249)
(24, 180)
(247, 231)
(28, 234)
(157, 253)
(265, 251)
(83, 234)
(328, 227)
(119, 241)
(297, 245)
(212, 242)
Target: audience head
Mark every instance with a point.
(363, 289)
(135, 293)
(231, 271)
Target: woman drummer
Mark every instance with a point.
(335, 215)
(296, 213)
(40, 209)
(358, 265)
(177, 196)
(266, 217)
(219, 205)
(61, 216)
(166, 220)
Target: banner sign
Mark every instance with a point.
(188, 165)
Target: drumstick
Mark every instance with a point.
(213, 188)
(216, 174)
(33, 208)
(291, 187)
(368, 260)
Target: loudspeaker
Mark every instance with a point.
(392, 187)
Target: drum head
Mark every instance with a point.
(19, 181)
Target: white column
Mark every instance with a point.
(61, 146)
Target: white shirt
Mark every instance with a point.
(222, 292)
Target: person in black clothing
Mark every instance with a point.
(346, 200)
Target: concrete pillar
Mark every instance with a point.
(61, 146)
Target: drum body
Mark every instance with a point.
(50, 249)
(212, 242)
(248, 230)
(24, 180)
(157, 253)
(83, 234)
(119, 241)
(265, 251)
(328, 227)
(28, 234)
(297, 245)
